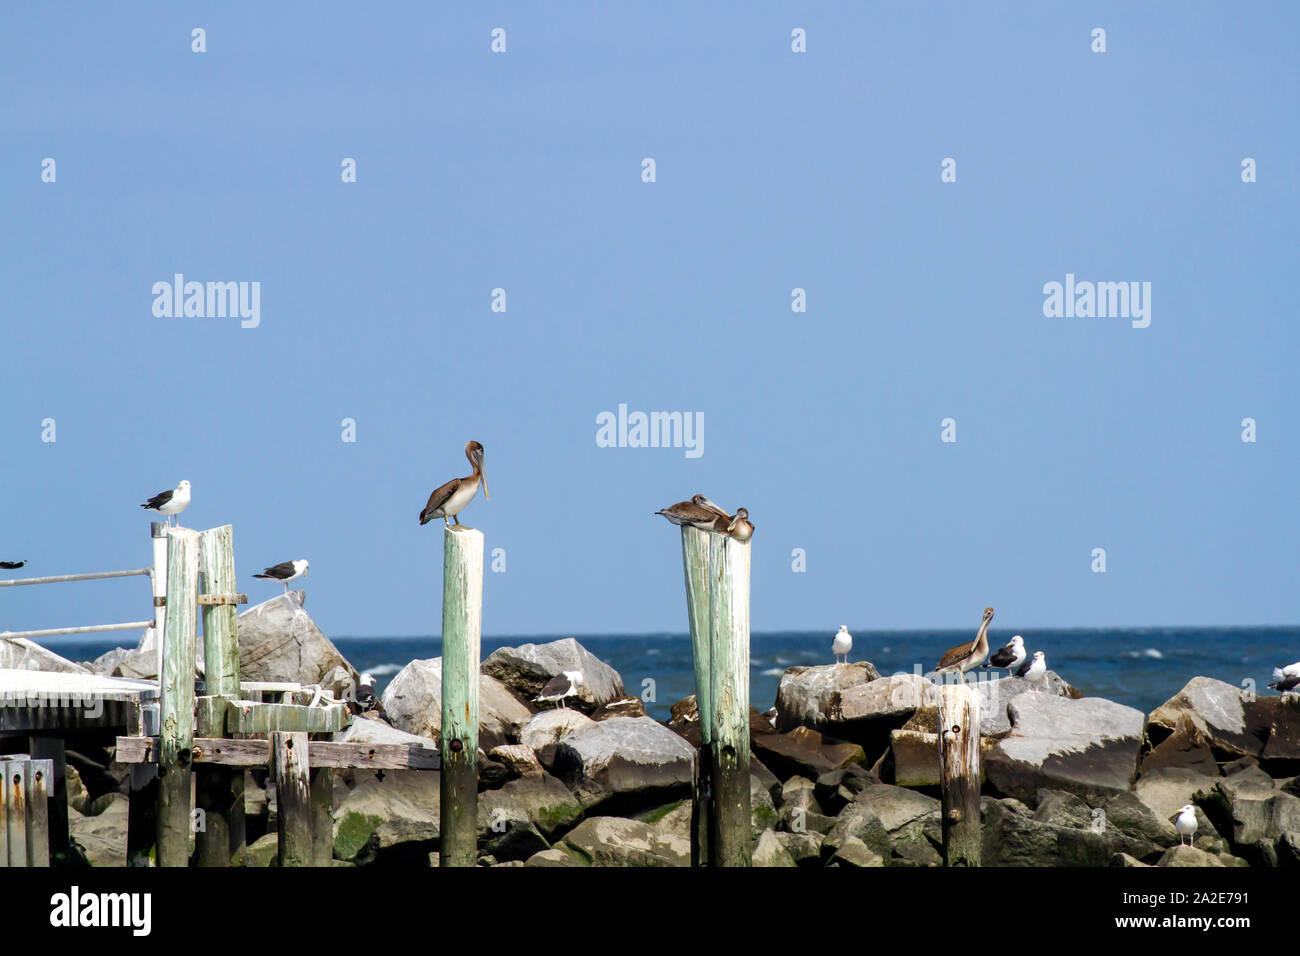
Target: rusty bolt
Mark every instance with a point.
(457, 746)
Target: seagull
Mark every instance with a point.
(559, 687)
(366, 699)
(1286, 678)
(842, 644)
(965, 657)
(699, 512)
(1034, 670)
(1186, 823)
(285, 572)
(1011, 656)
(170, 503)
(740, 527)
(449, 500)
(11, 565)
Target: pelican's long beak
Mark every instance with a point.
(483, 477)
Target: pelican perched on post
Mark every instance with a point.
(964, 657)
(450, 499)
(699, 512)
(740, 527)
(170, 503)
(1011, 656)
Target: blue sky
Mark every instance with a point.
(774, 171)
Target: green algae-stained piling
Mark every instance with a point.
(959, 774)
(462, 630)
(729, 842)
(215, 786)
(176, 712)
(289, 759)
(695, 563)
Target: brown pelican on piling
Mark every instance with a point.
(450, 499)
(699, 512)
(740, 527)
(964, 657)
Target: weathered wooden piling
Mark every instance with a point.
(462, 629)
(289, 763)
(959, 774)
(158, 581)
(322, 816)
(695, 564)
(176, 712)
(218, 794)
(729, 841)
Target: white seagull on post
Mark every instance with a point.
(842, 644)
(170, 503)
(1186, 823)
(559, 687)
(285, 572)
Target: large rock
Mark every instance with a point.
(1253, 815)
(995, 695)
(1232, 725)
(20, 654)
(538, 799)
(394, 819)
(1166, 789)
(413, 702)
(1013, 837)
(913, 759)
(548, 727)
(526, 668)
(377, 732)
(769, 851)
(1088, 747)
(278, 641)
(815, 696)
(103, 835)
(804, 752)
(615, 841)
(1187, 748)
(635, 759)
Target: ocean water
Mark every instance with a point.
(1141, 667)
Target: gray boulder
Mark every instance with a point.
(804, 752)
(1166, 789)
(616, 841)
(20, 654)
(632, 758)
(394, 820)
(278, 641)
(413, 702)
(769, 851)
(1014, 837)
(1089, 747)
(1231, 725)
(1253, 815)
(525, 669)
(995, 695)
(815, 696)
(539, 800)
(548, 727)
(519, 759)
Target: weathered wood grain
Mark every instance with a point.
(293, 798)
(177, 705)
(959, 774)
(462, 622)
(257, 753)
(695, 566)
(729, 564)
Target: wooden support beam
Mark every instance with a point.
(959, 774)
(13, 777)
(177, 697)
(695, 564)
(56, 785)
(292, 798)
(462, 623)
(322, 816)
(730, 841)
(215, 788)
(39, 774)
(247, 717)
(257, 753)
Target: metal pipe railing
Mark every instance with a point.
(62, 578)
(90, 629)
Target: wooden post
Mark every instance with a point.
(959, 774)
(39, 773)
(56, 785)
(289, 763)
(215, 785)
(695, 564)
(322, 816)
(730, 841)
(176, 689)
(13, 776)
(462, 628)
(158, 530)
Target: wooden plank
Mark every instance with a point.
(729, 563)
(959, 774)
(4, 819)
(13, 776)
(462, 627)
(292, 798)
(177, 706)
(695, 565)
(221, 598)
(322, 815)
(39, 775)
(247, 717)
(257, 753)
